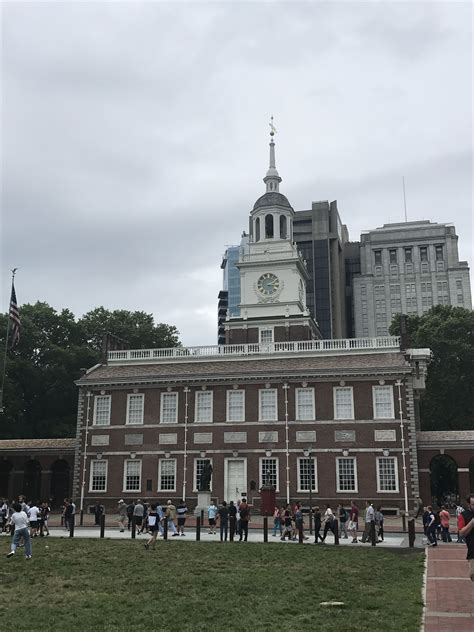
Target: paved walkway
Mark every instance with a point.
(449, 590)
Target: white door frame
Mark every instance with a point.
(227, 460)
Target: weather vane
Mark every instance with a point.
(272, 127)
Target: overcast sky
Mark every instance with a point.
(135, 137)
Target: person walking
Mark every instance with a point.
(329, 523)
(19, 521)
(419, 508)
(153, 526)
(444, 518)
(354, 518)
(369, 520)
(276, 522)
(244, 520)
(466, 531)
(45, 511)
(181, 512)
(223, 515)
(342, 516)
(379, 518)
(98, 511)
(138, 515)
(170, 514)
(122, 515)
(317, 525)
(130, 510)
(459, 510)
(33, 517)
(431, 527)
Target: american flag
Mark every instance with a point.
(14, 320)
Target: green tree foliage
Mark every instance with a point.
(448, 402)
(40, 397)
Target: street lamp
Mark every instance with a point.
(398, 384)
(307, 454)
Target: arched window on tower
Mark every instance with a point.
(268, 226)
(257, 229)
(283, 224)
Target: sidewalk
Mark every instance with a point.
(449, 591)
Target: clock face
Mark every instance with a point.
(268, 284)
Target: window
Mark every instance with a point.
(424, 268)
(132, 476)
(266, 336)
(283, 223)
(393, 255)
(387, 474)
(426, 287)
(102, 410)
(346, 474)
(408, 255)
(443, 299)
(383, 402)
(381, 331)
(427, 301)
(98, 476)
(269, 472)
(410, 288)
(395, 288)
(257, 229)
(307, 472)
(235, 405)
(363, 290)
(379, 290)
(423, 253)
(460, 299)
(409, 268)
(305, 404)
(378, 257)
(378, 271)
(167, 475)
(458, 284)
(439, 253)
(169, 408)
(380, 305)
(396, 305)
(268, 404)
(343, 402)
(268, 226)
(135, 409)
(443, 286)
(203, 407)
(198, 467)
(439, 266)
(393, 270)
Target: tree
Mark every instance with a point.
(40, 395)
(448, 402)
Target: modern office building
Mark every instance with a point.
(407, 268)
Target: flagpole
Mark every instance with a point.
(5, 353)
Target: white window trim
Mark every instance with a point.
(267, 390)
(335, 388)
(162, 399)
(198, 393)
(160, 461)
(94, 491)
(297, 407)
(277, 468)
(227, 405)
(127, 419)
(315, 465)
(390, 491)
(195, 489)
(96, 399)
(356, 478)
(268, 328)
(392, 415)
(124, 481)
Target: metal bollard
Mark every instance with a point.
(102, 525)
(411, 533)
(336, 532)
(300, 533)
(198, 528)
(81, 519)
(165, 529)
(265, 529)
(310, 516)
(202, 517)
(134, 527)
(71, 525)
(373, 535)
(232, 522)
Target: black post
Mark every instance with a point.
(300, 533)
(310, 521)
(336, 531)
(404, 522)
(71, 525)
(411, 533)
(373, 535)
(232, 522)
(102, 525)
(265, 529)
(198, 528)
(165, 529)
(134, 527)
(81, 519)
(202, 517)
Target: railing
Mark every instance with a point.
(302, 347)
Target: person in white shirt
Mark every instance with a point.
(329, 523)
(19, 521)
(33, 513)
(369, 519)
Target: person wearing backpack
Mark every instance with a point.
(342, 517)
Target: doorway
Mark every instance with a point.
(235, 479)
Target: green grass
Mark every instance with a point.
(116, 585)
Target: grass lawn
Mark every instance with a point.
(116, 585)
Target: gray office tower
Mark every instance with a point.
(407, 267)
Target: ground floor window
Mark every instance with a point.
(132, 476)
(346, 470)
(167, 475)
(98, 478)
(307, 473)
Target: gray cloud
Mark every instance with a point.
(134, 137)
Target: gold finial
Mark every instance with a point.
(273, 129)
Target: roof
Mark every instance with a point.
(38, 444)
(245, 369)
(272, 198)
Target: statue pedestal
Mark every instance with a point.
(204, 500)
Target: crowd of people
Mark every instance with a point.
(437, 523)
(24, 521)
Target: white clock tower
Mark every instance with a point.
(273, 274)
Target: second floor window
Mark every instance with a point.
(423, 253)
(305, 404)
(383, 402)
(102, 410)
(235, 405)
(203, 412)
(169, 408)
(343, 402)
(378, 257)
(268, 404)
(135, 409)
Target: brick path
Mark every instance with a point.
(449, 591)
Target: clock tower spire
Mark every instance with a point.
(272, 179)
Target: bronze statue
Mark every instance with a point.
(205, 478)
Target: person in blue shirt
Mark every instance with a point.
(211, 514)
